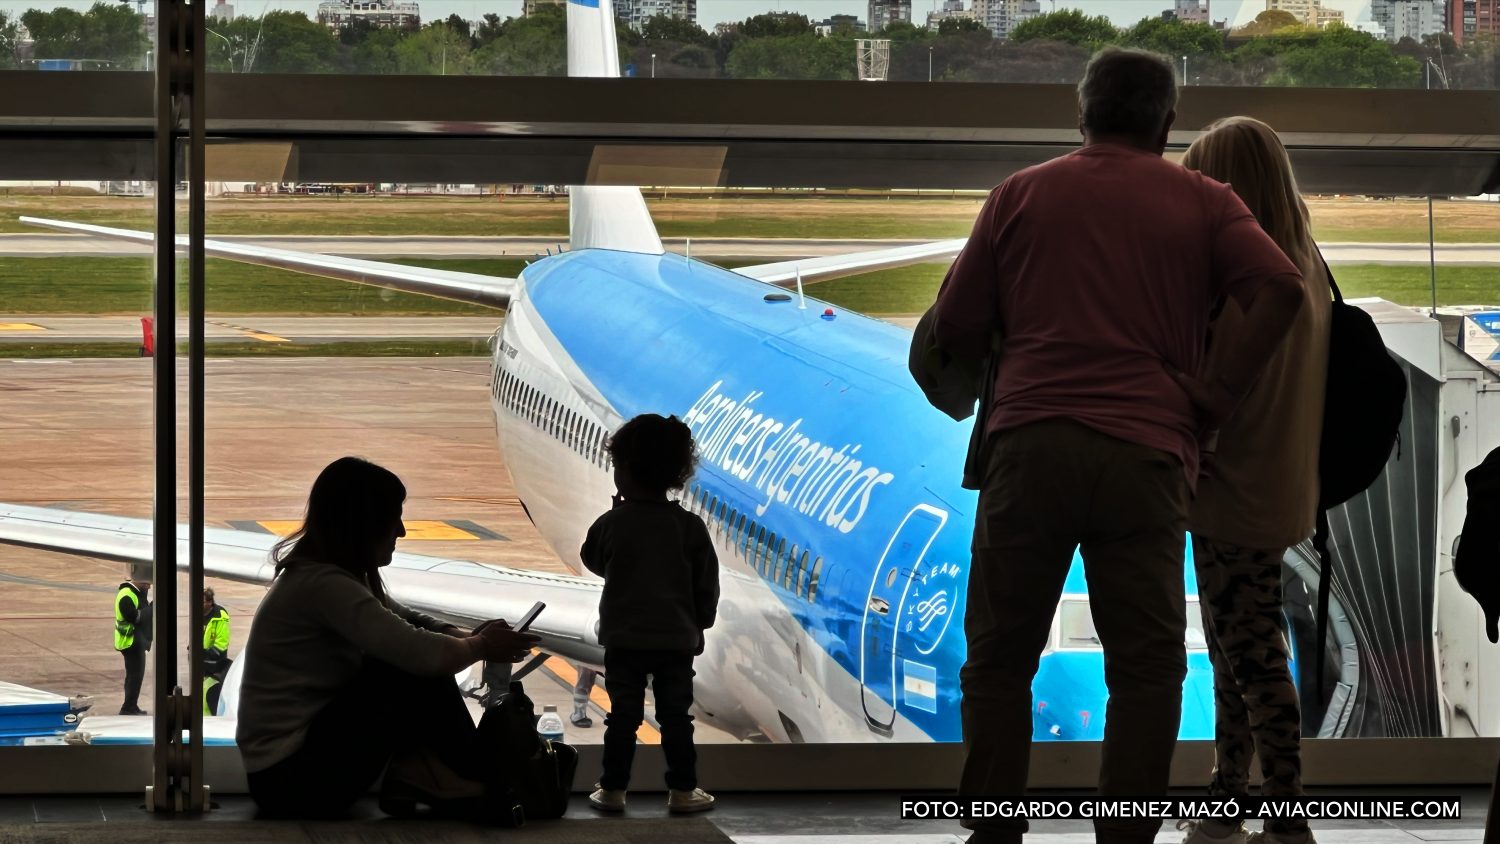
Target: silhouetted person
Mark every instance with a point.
(133, 637)
(582, 688)
(661, 591)
(1258, 494)
(1098, 270)
(340, 679)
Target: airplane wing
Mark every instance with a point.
(458, 591)
(471, 288)
(784, 273)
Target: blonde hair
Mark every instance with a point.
(1246, 154)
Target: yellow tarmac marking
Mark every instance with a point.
(564, 670)
(252, 333)
(418, 529)
(20, 326)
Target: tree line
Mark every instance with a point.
(1273, 50)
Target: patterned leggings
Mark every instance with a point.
(1255, 700)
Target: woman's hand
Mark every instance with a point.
(502, 644)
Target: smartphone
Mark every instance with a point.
(530, 616)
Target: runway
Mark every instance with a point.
(51, 328)
(78, 436)
(44, 245)
(276, 330)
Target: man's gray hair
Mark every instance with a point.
(1127, 92)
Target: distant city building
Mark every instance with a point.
(726, 27)
(1188, 11)
(836, 23)
(381, 14)
(222, 12)
(1412, 19)
(952, 10)
(1309, 12)
(529, 7)
(1468, 18)
(883, 13)
(1000, 17)
(635, 13)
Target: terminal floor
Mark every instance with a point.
(744, 818)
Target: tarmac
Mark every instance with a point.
(77, 434)
(294, 330)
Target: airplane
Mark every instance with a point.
(830, 486)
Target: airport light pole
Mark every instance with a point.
(228, 46)
(653, 65)
(1184, 70)
(929, 64)
(1431, 66)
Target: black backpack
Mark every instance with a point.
(1363, 404)
(538, 771)
(1476, 563)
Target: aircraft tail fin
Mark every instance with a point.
(600, 216)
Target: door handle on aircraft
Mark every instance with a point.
(880, 605)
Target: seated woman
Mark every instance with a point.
(341, 679)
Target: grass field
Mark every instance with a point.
(123, 286)
(799, 216)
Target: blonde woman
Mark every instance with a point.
(1258, 493)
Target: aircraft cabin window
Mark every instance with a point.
(788, 559)
(817, 569)
(791, 578)
(739, 525)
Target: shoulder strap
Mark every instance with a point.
(1333, 285)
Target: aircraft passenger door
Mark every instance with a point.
(877, 657)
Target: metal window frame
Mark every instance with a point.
(772, 134)
(123, 125)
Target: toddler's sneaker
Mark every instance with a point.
(607, 799)
(696, 800)
(1198, 833)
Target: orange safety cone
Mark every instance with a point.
(148, 343)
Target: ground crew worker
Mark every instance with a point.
(133, 637)
(581, 689)
(216, 659)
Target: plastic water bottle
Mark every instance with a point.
(550, 725)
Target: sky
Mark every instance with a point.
(711, 12)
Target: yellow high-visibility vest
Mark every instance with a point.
(216, 632)
(125, 630)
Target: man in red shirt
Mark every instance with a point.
(1098, 270)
